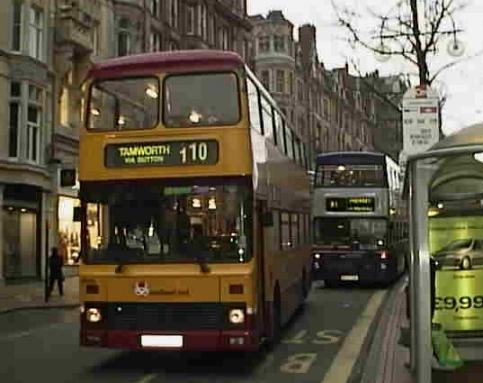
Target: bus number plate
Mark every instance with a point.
(164, 153)
(163, 341)
(349, 277)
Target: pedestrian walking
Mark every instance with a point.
(56, 274)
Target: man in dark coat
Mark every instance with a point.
(55, 271)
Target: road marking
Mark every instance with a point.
(345, 359)
(297, 339)
(298, 363)
(146, 379)
(327, 337)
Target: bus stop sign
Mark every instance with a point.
(420, 119)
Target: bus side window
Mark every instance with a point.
(296, 150)
(254, 106)
(281, 137)
(275, 242)
(267, 124)
(277, 127)
(284, 231)
(303, 154)
(294, 223)
(289, 140)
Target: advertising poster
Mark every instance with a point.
(456, 244)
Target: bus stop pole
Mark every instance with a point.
(421, 273)
(412, 272)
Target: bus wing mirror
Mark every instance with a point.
(267, 219)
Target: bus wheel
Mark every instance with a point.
(276, 318)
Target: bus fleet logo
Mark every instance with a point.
(141, 289)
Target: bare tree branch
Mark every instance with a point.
(414, 27)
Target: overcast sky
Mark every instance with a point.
(463, 83)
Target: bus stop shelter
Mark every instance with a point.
(445, 186)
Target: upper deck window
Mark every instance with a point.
(201, 100)
(350, 176)
(124, 104)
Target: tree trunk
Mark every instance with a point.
(420, 53)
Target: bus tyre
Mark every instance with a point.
(465, 264)
(276, 319)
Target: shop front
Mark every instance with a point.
(68, 230)
(21, 231)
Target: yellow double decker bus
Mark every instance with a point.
(194, 206)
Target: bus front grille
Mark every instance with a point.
(165, 316)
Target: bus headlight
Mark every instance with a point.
(380, 242)
(93, 315)
(317, 256)
(236, 316)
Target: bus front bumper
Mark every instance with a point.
(225, 340)
(355, 270)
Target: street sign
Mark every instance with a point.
(420, 119)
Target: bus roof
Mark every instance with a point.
(162, 61)
(359, 158)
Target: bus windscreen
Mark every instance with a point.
(205, 99)
(366, 232)
(350, 176)
(168, 224)
(124, 104)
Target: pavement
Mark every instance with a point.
(388, 359)
(31, 296)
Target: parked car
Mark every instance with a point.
(461, 253)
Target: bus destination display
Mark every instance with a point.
(351, 204)
(165, 153)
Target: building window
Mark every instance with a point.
(155, 41)
(96, 49)
(17, 26)
(212, 23)
(263, 44)
(64, 106)
(223, 38)
(300, 90)
(69, 230)
(173, 13)
(34, 121)
(124, 38)
(241, 6)
(203, 21)
(265, 78)
(36, 33)
(279, 43)
(280, 81)
(190, 19)
(154, 7)
(14, 123)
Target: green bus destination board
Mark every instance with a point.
(164, 153)
(351, 204)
